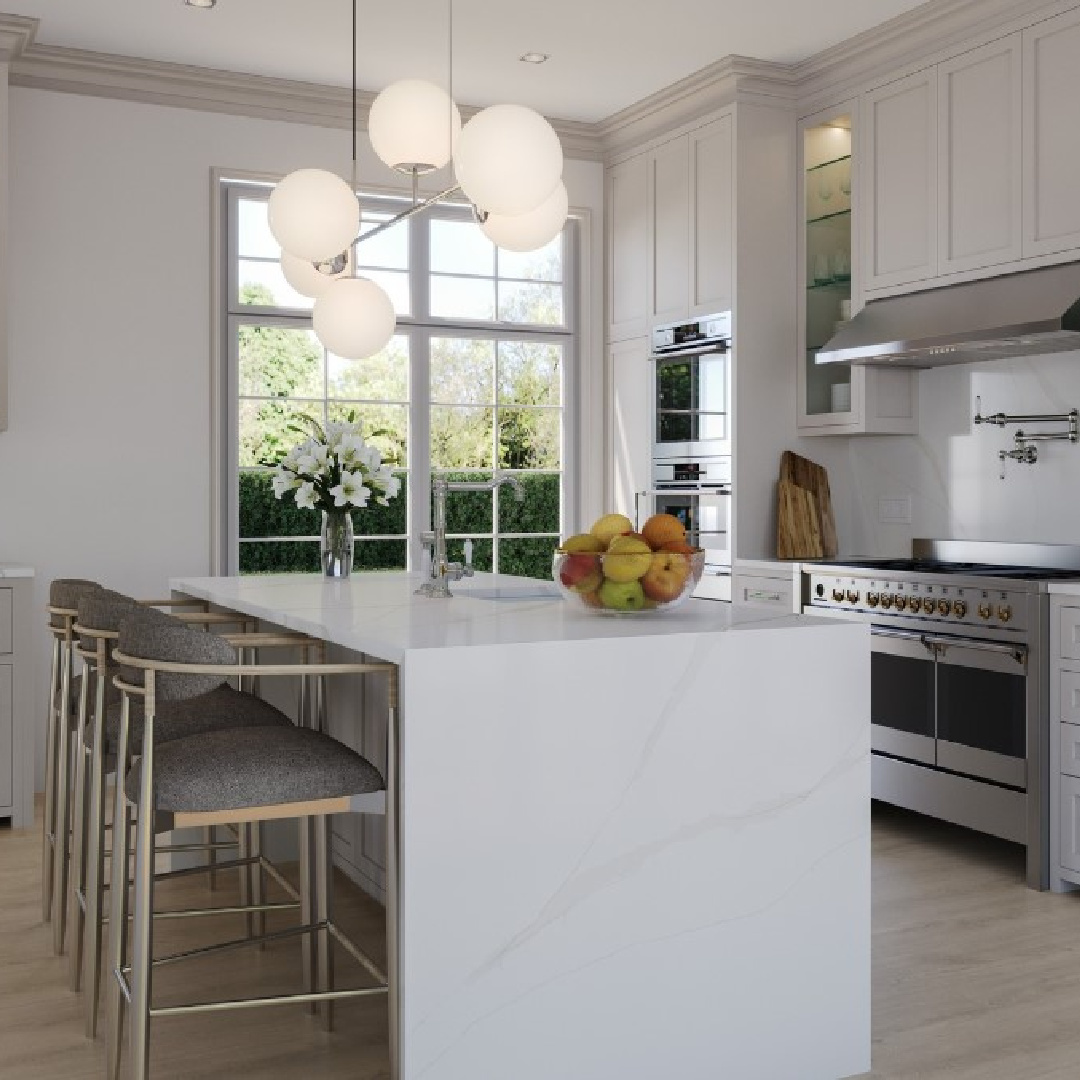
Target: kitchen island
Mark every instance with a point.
(629, 846)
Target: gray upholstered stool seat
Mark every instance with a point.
(242, 767)
(223, 707)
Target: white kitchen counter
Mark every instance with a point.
(1063, 588)
(630, 847)
(13, 570)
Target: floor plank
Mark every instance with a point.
(975, 976)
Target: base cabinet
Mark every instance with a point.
(1064, 743)
(16, 705)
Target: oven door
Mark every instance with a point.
(706, 516)
(982, 709)
(690, 395)
(902, 695)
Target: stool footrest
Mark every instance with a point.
(281, 999)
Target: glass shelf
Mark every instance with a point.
(829, 217)
(826, 164)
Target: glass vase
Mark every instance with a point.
(336, 547)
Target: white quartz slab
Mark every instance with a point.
(379, 613)
(630, 847)
(1063, 588)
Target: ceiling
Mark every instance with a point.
(605, 54)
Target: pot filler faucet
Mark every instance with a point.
(443, 572)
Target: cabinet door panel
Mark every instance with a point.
(979, 155)
(669, 231)
(711, 232)
(628, 293)
(7, 746)
(630, 422)
(1051, 135)
(901, 181)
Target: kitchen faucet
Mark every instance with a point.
(442, 572)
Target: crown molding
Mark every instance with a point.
(77, 71)
(17, 33)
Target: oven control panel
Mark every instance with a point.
(889, 600)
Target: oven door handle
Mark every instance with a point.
(1017, 652)
(904, 635)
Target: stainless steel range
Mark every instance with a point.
(959, 679)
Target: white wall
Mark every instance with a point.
(950, 471)
(105, 468)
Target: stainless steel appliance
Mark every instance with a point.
(959, 679)
(691, 389)
(691, 459)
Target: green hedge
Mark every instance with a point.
(466, 512)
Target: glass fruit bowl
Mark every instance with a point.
(622, 582)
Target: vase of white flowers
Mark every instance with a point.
(335, 470)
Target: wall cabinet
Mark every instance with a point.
(979, 157)
(627, 248)
(690, 224)
(900, 183)
(630, 436)
(1051, 136)
(838, 399)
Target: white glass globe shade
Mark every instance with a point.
(354, 318)
(528, 232)
(508, 159)
(413, 122)
(305, 278)
(314, 214)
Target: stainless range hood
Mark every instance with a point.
(1023, 314)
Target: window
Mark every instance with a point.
(474, 381)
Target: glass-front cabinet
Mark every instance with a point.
(838, 399)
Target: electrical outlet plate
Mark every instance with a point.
(895, 510)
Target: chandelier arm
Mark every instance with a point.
(407, 213)
(355, 185)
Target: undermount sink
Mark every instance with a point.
(541, 591)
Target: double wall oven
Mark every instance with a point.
(691, 445)
(959, 679)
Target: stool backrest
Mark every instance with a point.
(103, 610)
(65, 593)
(153, 635)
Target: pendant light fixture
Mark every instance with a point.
(507, 162)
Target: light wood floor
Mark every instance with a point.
(975, 977)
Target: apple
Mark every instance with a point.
(622, 595)
(680, 547)
(581, 572)
(627, 559)
(605, 529)
(660, 529)
(582, 542)
(666, 576)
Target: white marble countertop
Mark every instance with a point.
(13, 570)
(378, 613)
(1063, 588)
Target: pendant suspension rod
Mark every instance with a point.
(407, 213)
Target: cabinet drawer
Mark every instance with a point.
(1069, 833)
(1070, 749)
(5, 621)
(773, 592)
(1069, 633)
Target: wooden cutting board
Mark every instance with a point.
(813, 478)
(798, 534)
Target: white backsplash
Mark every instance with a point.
(951, 472)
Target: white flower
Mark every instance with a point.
(315, 461)
(350, 448)
(305, 496)
(351, 490)
(334, 430)
(284, 481)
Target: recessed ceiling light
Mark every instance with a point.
(200, 3)
(534, 57)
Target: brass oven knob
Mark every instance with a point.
(901, 602)
(837, 595)
(852, 597)
(944, 607)
(985, 611)
(872, 599)
(959, 608)
(886, 601)
(1004, 613)
(928, 605)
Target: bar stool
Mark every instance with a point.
(100, 614)
(235, 775)
(64, 595)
